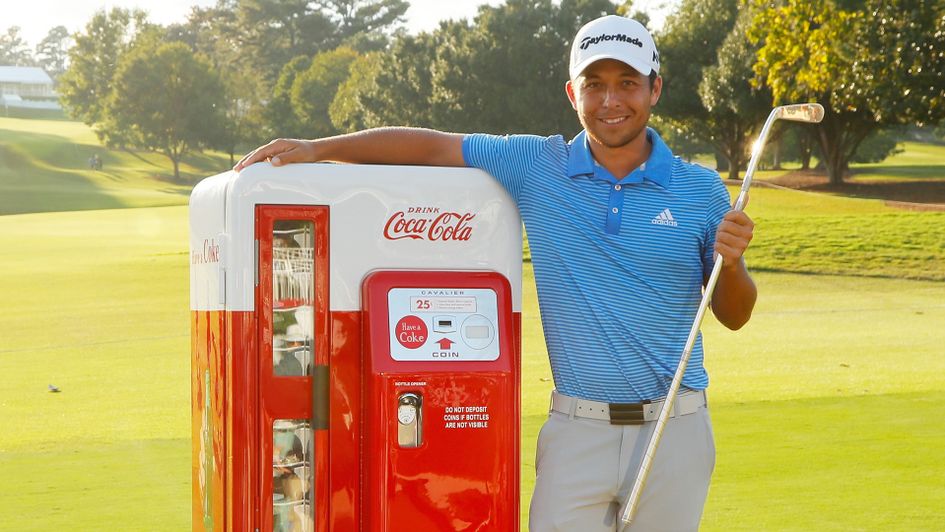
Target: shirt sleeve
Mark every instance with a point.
(508, 158)
(719, 203)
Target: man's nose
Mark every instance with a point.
(611, 99)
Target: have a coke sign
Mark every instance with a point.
(429, 223)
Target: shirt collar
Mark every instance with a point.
(656, 169)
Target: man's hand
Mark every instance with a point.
(732, 237)
(279, 152)
(735, 293)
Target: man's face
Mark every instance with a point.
(613, 102)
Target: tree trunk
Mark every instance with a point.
(734, 165)
(176, 168)
(776, 153)
(721, 162)
(832, 152)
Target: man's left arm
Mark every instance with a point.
(735, 293)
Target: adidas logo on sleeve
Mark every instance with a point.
(665, 218)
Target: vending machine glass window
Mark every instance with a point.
(293, 291)
(292, 497)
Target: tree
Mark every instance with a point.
(166, 99)
(13, 49)
(506, 73)
(52, 52)
(881, 65)
(689, 44)
(273, 32)
(276, 31)
(86, 85)
(314, 89)
(735, 110)
(503, 73)
(394, 87)
(280, 115)
(347, 111)
(213, 33)
(364, 24)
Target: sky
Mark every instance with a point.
(36, 17)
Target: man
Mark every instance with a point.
(623, 237)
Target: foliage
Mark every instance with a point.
(688, 43)
(392, 88)
(881, 65)
(347, 111)
(879, 145)
(314, 89)
(13, 49)
(504, 73)
(272, 32)
(165, 99)
(280, 116)
(511, 63)
(735, 111)
(213, 33)
(363, 22)
(52, 53)
(86, 85)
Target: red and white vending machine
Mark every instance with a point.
(355, 350)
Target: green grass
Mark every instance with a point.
(44, 167)
(827, 405)
(917, 161)
(95, 303)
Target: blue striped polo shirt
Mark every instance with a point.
(619, 262)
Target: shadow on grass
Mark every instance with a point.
(917, 184)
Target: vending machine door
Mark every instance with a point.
(293, 329)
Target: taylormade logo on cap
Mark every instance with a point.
(613, 37)
(587, 41)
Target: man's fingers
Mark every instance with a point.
(293, 154)
(738, 227)
(734, 234)
(261, 153)
(279, 152)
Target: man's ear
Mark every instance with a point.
(569, 89)
(656, 91)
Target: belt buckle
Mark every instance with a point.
(627, 413)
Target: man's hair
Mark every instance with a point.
(653, 76)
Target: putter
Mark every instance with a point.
(811, 113)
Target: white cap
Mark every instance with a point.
(613, 37)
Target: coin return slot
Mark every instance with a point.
(477, 331)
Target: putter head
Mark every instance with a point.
(812, 113)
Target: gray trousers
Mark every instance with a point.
(586, 467)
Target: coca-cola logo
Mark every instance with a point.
(208, 254)
(428, 223)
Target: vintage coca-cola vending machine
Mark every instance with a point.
(355, 350)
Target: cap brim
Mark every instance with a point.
(639, 66)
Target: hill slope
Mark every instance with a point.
(44, 167)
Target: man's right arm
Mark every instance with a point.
(389, 145)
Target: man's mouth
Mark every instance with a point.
(613, 121)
